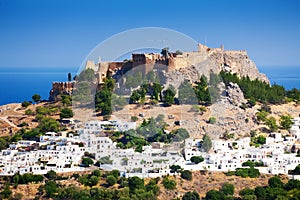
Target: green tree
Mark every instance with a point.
(197, 159)
(118, 102)
(47, 124)
(87, 161)
(29, 112)
(36, 98)
(169, 95)
(25, 104)
(66, 113)
(169, 184)
(258, 90)
(16, 179)
(251, 102)
(260, 193)
(96, 172)
(261, 140)
(207, 143)
(191, 196)
(6, 192)
(83, 94)
(135, 184)
(151, 76)
(227, 189)
(134, 118)
(275, 182)
(87, 75)
(153, 187)
(111, 180)
(84, 179)
(180, 135)
(214, 195)
(105, 160)
(212, 120)
(292, 184)
(33, 135)
(69, 76)
(135, 97)
(114, 173)
(93, 180)
(66, 100)
(262, 116)
(271, 123)
(286, 122)
(175, 168)
(187, 175)
(51, 175)
(155, 90)
(51, 189)
(103, 97)
(186, 93)
(202, 91)
(165, 51)
(214, 91)
(247, 172)
(248, 163)
(3, 143)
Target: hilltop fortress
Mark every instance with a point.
(216, 59)
(178, 66)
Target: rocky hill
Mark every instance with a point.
(195, 64)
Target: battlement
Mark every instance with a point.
(63, 85)
(244, 52)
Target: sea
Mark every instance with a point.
(18, 84)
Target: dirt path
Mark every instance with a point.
(8, 122)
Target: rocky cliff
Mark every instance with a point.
(191, 65)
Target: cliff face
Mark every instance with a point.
(239, 62)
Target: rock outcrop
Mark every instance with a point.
(208, 60)
(235, 95)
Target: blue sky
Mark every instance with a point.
(52, 33)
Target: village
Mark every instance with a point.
(64, 153)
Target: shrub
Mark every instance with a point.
(66, 113)
(28, 112)
(134, 118)
(87, 161)
(212, 120)
(93, 180)
(191, 196)
(275, 182)
(247, 172)
(96, 172)
(214, 194)
(175, 168)
(197, 159)
(169, 184)
(186, 174)
(111, 180)
(25, 104)
(227, 189)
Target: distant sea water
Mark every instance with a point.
(18, 84)
(289, 77)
